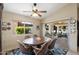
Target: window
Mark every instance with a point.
(24, 28)
(47, 26)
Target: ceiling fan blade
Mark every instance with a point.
(27, 11)
(42, 11)
(39, 14)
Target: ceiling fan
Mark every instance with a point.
(35, 11)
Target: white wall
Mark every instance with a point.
(9, 37)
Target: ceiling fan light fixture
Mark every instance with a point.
(34, 14)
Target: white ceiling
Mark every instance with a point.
(20, 7)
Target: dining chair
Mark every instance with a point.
(51, 46)
(35, 35)
(24, 48)
(26, 37)
(43, 50)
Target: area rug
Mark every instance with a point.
(18, 52)
(59, 51)
(54, 51)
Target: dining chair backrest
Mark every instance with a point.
(52, 44)
(35, 35)
(44, 49)
(23, 47)
(26, 37)
(20, 43)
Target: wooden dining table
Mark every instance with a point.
(34, 41)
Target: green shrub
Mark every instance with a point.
(27, 30)
(20, 30)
